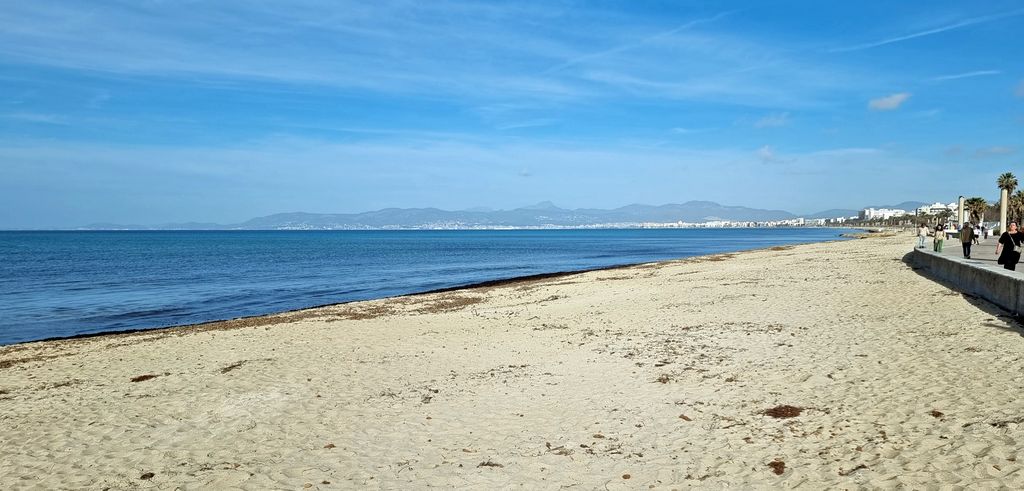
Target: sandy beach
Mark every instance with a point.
(822, 365)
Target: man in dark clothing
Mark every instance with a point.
(967, 238)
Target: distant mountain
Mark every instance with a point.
(191, 226)
(544, 213)
(543, 205)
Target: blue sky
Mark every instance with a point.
(159, 111)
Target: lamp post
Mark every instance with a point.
(960, 212)
(1004, 195)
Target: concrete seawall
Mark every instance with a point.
(979, 277)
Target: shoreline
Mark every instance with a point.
(818, 365)
(215, 324)
(513, 229)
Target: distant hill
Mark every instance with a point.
(540, 214)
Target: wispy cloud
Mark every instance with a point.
(460, 50)
(978, 73)
(949, 27)
(690, 131)
(39, 118)
(534, 123)
(995, 151)
(636, 44)
(929, 113)
(889, 102)
(772, 121)
(807, 90)
(398, 46)
(98, 100)
(767, 155)
(846, 152)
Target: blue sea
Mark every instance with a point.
(61, 284)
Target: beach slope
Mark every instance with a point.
(821, 365)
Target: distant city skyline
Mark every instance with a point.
(539, 215)
(156, 112)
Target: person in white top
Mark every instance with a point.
(922, 235)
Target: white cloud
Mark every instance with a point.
(772, 121)
(767, 154)
(978, 73)
(889, 102)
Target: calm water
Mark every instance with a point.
(56, 284)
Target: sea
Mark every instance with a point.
(65, 284)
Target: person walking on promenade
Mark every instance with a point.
(1008, 247)
(940, 237)
(967, 238)
(922, 234)
(978, 233)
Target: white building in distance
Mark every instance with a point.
(880, 213)
(936, 208)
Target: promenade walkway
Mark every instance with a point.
(983, 255)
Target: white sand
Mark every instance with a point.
(554, 382)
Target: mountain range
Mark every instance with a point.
(541, 214)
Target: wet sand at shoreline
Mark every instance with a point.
(820, 365)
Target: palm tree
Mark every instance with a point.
(1007, 183)
(1016, 206)
(944, 215)
(976, 208)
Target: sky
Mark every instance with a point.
(157, 111)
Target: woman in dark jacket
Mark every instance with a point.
(1009, 245)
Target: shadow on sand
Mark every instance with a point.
(1013, 323)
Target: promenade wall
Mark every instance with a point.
(994, 284)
